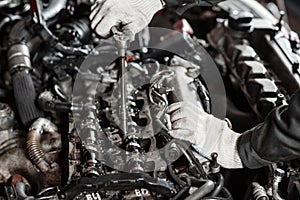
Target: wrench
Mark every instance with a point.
(121, 42)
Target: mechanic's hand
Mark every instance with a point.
(191, 123)
(131, 15)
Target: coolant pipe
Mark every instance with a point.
(33, 143)
(202, 191)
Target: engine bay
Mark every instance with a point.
(82, 119)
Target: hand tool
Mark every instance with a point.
(122, 40)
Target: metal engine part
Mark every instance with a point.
(79, 122)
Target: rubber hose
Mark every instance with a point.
(202, 191)
(220, 184)
(175, 177)
(25, 96)
(184, 190)
(19, 33)
(225, 193)
(19, 64)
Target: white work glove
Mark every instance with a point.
(131, 15)
(210, 134)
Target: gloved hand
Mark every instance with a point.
(191, 123)
(131, 15)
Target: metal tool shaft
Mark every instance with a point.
(123, 95)
(121, 43)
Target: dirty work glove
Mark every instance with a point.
(191, 123)
(131, 15)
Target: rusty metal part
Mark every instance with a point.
(33, 143)
(15, 161)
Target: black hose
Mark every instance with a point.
(185, 186)
(196, 162)
(175, 177)
(48, 103)
(225, 196)
(197, 182)
(20, 64)
(202, 191)
(219, 183)
(25, 96)
(203, 94)
(19, 32)
(187, 146)
(184, 190)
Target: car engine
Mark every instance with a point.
(81, 118)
